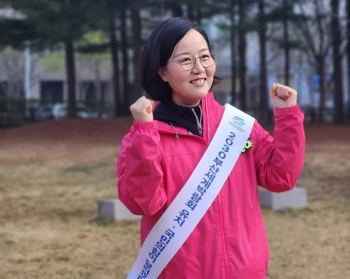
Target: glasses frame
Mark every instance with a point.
(195, 62)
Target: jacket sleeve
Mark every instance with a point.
(139, 172)
(279, 160)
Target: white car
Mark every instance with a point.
(60, 111)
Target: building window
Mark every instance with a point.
(51, 91)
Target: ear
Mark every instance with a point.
(161, 73)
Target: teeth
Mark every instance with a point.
(198, 81)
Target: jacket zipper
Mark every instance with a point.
(223, 241)
(177, 135)
(208, 129)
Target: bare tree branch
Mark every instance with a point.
(275, 55)
(319, 23)
(306, 32)
(269, 36)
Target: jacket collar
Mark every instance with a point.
(207, 102)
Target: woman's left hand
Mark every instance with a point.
(283, 96)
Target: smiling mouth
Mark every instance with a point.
(198, 81)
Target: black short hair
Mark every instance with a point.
(159, 47)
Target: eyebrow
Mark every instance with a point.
(182, 53)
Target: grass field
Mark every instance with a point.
(49, 230)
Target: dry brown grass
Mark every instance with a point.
(310, 243)
(49, 230)
(326, 172)
(48, 225)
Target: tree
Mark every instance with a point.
(314, 30)
(282, 12)
(245, 25)
(233, 50)
(57, 22)
(195, 9)
(264, 106)
(92, 57)
(137, 48)
(337, 72)
(113, 17)
(105, 16)
(229, 27)
(125, 59)
(113, 44)
(71, 78)
(239, 24)
(242, 45)
(176, 8)
(348, 52)
(12, 68)
(15, 31)
(286, 41)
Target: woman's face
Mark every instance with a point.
(192, 85)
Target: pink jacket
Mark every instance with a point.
(230, 240)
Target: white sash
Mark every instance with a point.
(196, 196)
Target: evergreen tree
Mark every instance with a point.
(56, 21)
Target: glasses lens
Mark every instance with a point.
(207, 61)
(187, 65)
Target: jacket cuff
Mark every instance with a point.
(288, 110)
(145, 125)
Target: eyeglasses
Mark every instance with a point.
(189, 63)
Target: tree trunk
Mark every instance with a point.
(321, 74)
(115, 65)
(137, 44)
(264, 106)
(98, 87)
(70, 68)
(198, 12)
(286, 42)
(242, 55)
(348, 53)
(176, 9)
(190, 11)
(337, 73)
(311, 100)
(233, 53)
(125, 60)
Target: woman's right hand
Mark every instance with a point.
(142, 110)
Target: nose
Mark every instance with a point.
(198, 67)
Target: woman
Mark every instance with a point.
(166, 142)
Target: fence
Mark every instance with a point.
(18, 111)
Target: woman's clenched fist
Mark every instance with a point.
(283, 96)
(142, 110)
